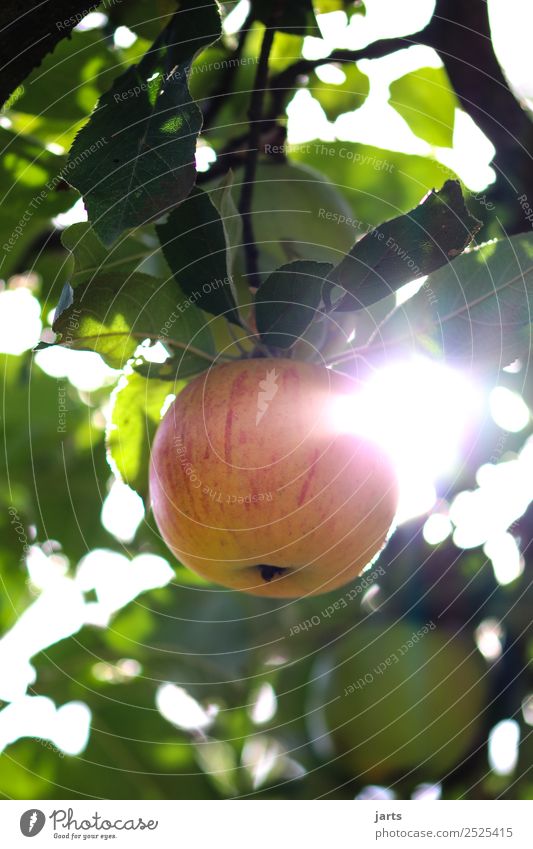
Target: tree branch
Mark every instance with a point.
(460, 33)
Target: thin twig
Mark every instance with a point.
(255, 114)
(281, 86)
(217, 99)
(361, 350)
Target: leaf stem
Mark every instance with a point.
(255, 114)
(156, 337)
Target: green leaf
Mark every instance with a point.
(405, 248)
(194, 245)
(25, 40)
(426, 100)
(113, 316)
(295, 17)
(135, 416)
(134, 160)
(222, 199)
(92, 259)
(222, 196)
(349, 95)
(287, 301)
(475, 310)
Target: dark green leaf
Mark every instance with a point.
(146, 18)
(134, 160)
(135, 416)
(194, 244)
(405, 248)
(427, 101)
(112, 316)
(476, 310)
(29, 32)
(287, 301)
(293, 16)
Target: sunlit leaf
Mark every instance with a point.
(427, 101)
(112, 316)
(135, 416)
(49, 435)
(475, 311)
(217, 759)
(222, 199)
(345, 97)
(297, 214)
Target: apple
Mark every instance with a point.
(398, 697)
(256, 487)
(297, 213)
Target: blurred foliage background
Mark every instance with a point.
(123, 675)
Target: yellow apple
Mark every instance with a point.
(256, 487)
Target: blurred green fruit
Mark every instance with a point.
(297, 214)
(400, 699)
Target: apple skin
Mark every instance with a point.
(405, 706)
(255, 487)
